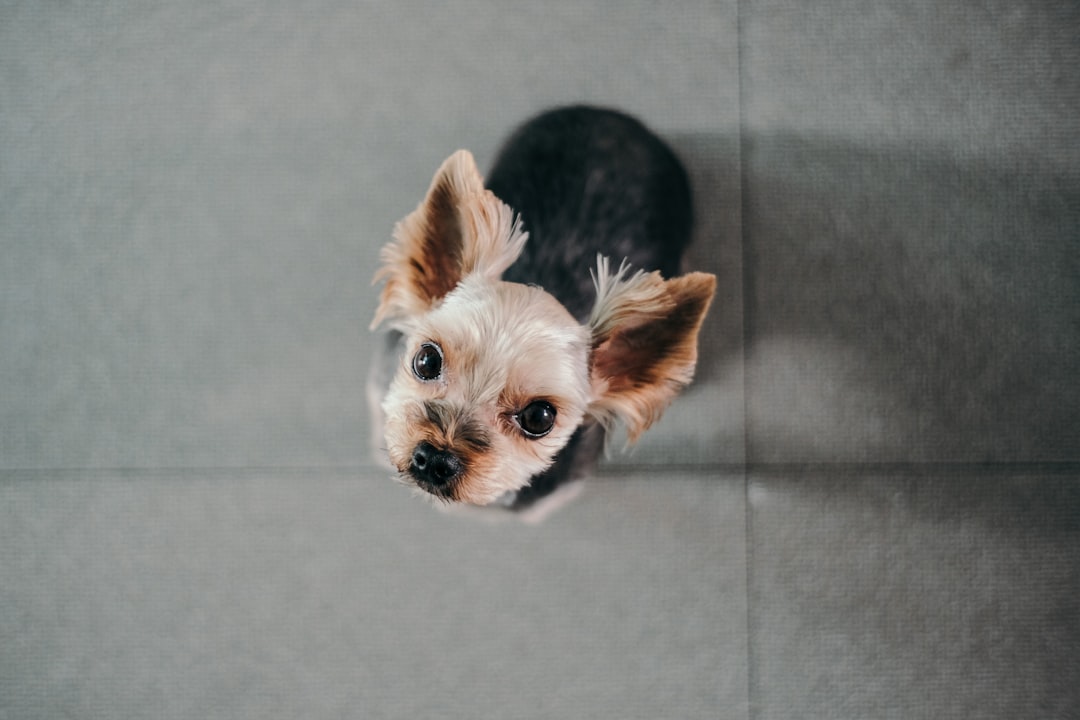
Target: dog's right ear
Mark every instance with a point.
(459, 229)
(644, 334)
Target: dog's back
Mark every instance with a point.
(588, 181)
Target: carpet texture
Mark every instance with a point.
(867, 506)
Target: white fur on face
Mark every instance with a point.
(504, 345)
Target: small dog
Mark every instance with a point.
(509, 360)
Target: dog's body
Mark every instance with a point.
(587, 182)
(513, 357)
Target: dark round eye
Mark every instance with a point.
(427, 362)
(537, 419)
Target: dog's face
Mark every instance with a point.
(493, 383)
(497, 376)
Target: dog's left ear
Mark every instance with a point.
(644, 343)
(460, 228)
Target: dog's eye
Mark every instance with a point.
(537, 419)
(427, 362)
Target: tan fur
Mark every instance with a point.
(505, 345)
(644, 332)
(460, 228)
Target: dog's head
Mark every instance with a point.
(497, 376)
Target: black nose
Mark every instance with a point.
(433, 466)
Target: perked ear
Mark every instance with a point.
(460, 228)
(644, 343)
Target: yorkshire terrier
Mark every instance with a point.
(508, 360)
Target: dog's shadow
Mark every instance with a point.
(712, 162)
(884, 303)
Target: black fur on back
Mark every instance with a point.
(585, 181)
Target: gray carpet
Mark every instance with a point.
(868, 506)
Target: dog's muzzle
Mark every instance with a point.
(434, 469)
